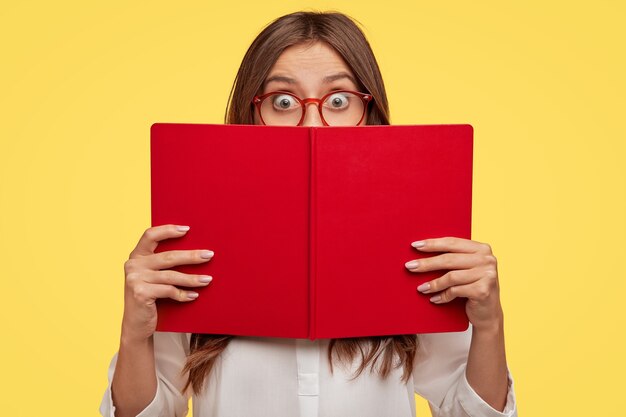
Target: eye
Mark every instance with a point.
(284, 102)
(338, 101)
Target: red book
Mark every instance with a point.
(311, 226)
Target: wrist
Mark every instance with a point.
(493, 326)
(130, 338)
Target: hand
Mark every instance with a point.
(472, 273)
(146, 280)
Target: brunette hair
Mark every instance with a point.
(342, 33)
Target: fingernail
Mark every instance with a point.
(418, 244)
(435, 299)
(192, 295)
(206, 278)
(206, 254)
(424, 287)
(412, 264)
(182, 228)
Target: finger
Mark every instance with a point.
(171, 258)
(169, 291)
(153, 235)
(450, 294)
(449, 279)
(170, 277)
(445, 261)
(451, 244)
(148, 293)
(477, 291)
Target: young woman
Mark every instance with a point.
(298, 58)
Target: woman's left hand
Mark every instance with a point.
(472, 273)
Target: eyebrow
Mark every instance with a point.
(326, 80)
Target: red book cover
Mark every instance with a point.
(311, 226)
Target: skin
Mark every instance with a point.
(473, 274)
(303, 70)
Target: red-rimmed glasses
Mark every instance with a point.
(337, 108)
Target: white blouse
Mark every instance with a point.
(278, 377)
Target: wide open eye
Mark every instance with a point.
(343, 108)
(339, 101)
(284, 102)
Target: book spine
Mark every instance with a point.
(312, 234)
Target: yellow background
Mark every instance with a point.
(541, 82)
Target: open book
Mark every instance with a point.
(311, 226)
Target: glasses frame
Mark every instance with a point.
(258, 101)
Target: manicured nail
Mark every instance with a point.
(435, 299)
(412, 264)
(424, 287)
(192, 295)
(206, 254)
(206, 278)
(182, 228)
(418, 244)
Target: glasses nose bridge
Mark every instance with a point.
(310, 100)
(317, 102)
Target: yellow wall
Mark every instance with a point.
(542, 83)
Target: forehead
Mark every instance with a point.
(309, 60)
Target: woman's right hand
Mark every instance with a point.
(148, 278)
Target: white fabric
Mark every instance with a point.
(273, 377)
(308, 360)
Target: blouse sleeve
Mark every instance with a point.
(170, 353)
(439, 377)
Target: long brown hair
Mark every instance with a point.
(342, 33)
